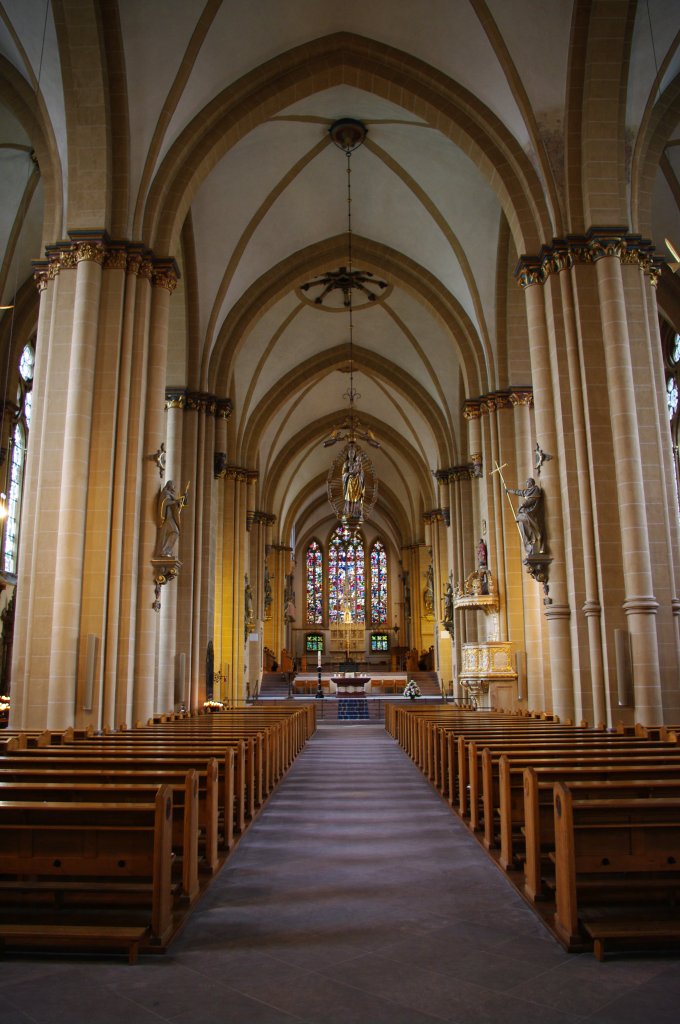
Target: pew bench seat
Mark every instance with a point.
(634, 933)
(83, 936)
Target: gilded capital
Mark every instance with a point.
(165, 274)
(598, 243)
(472, 409)
(175, 398)
(223, 408)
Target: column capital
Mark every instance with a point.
(597, 243)
(224, 471)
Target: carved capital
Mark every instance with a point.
(165, 274)
(223, 408)
(224, 471)
(175, 398)
(116, 259)
(522, 396)
(41, 274)
(598, 243)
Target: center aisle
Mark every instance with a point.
(358, 896)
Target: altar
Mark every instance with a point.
(350, 684)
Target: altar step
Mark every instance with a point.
(356, 709)
(428, 683)
(274, 685)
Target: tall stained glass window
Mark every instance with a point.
(378, 584)
(314, 584)
(17, 458)
(671, 353)
(346, 576)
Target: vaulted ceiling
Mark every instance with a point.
(220, 156)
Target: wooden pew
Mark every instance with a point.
(504, 791)
(48, 761)
(116, 857)
(632, 780)
(207, 784)
(613, 854)
(482, 769)
(184, 807)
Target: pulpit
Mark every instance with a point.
(487, 674)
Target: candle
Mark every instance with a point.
(318, 659)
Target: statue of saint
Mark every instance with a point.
(481, 554)
(428, 593)
(248, 603)
(267, 590)
(448, 604)
(289, 599)
(529, 516)
(170, 507)
(352, 481)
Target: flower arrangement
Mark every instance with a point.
(412, 690)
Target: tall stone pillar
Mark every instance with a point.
(168, 694)
(556, 606)
(62, 674)
(147, 639)
(640, 604)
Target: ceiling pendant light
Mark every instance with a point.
(352, 482)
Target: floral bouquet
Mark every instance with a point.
(412, 689)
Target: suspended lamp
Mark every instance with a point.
(352, 481)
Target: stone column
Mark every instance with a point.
(557, 611)
(114, 704)
(148, 632)
(640, 605)
(89, 256)
(594, 710)
(167, 693)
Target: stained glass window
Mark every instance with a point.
(378, 584)
(314, 584)
(346, 578)
(379, 642)
(314, 642)
(16, 474)
(17, 457)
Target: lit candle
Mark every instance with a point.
(318, 659)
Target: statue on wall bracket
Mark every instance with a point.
(169, 511)
(530, 521)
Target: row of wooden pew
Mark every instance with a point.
(108, 840)
(585, 822)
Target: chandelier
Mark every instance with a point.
(352, 481)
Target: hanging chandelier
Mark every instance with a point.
(352, 481)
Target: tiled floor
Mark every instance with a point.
(356, 897)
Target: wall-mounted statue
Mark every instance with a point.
(289, 599)
(428, 592)
(529, 516)
(447, 619)
(170, 507)
(267, 592)
(248, 605)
